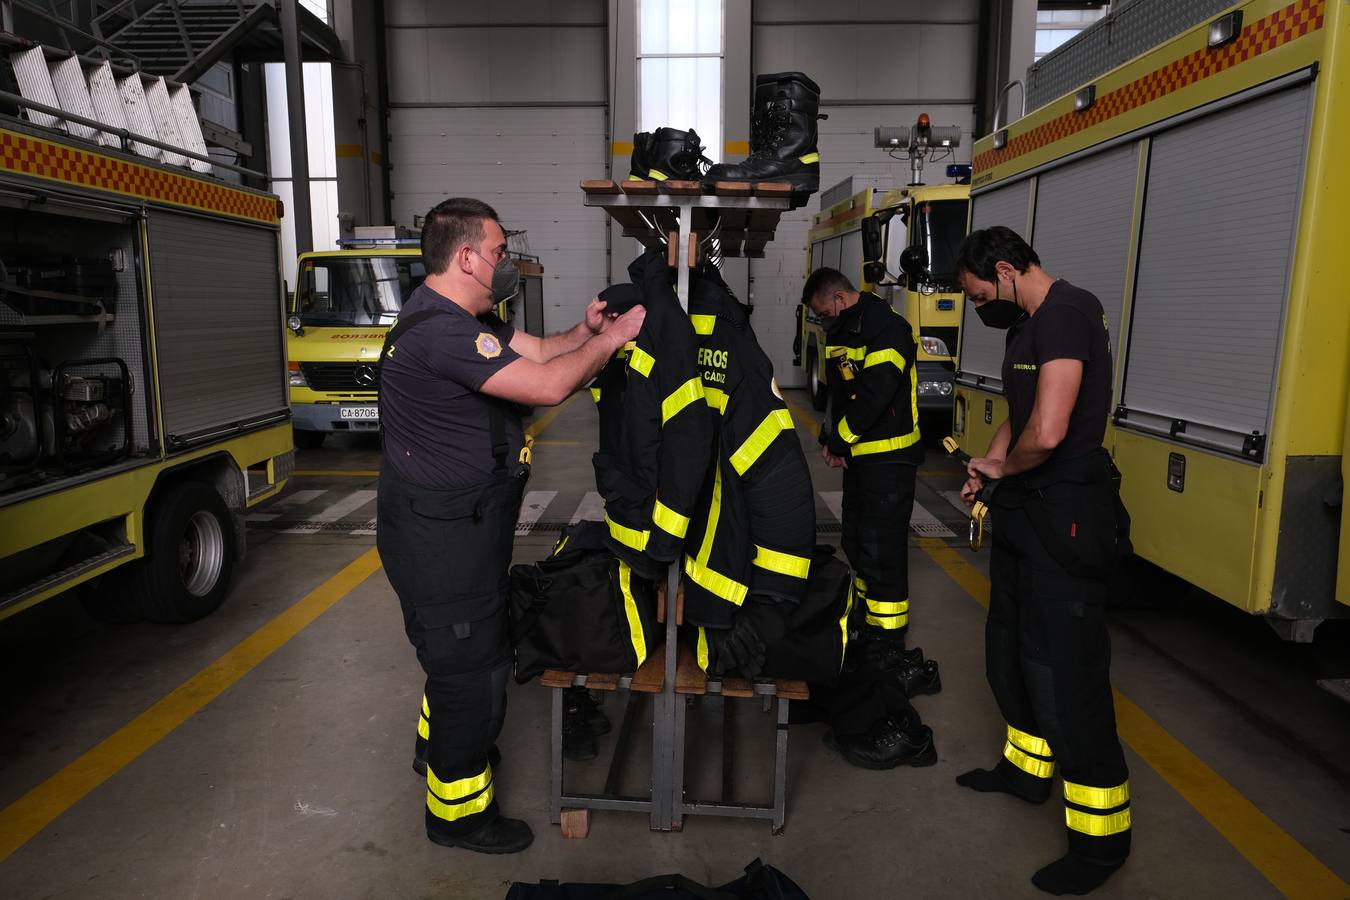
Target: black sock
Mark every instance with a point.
(989, 781)
(1072, 874)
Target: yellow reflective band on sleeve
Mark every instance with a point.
(716, 398)
(595, 394)
(641, 362)
(1097, 798)
(426, 710)
(883, 608)
(1037, 768)
(657, 175)
(1097, 826)
(845, 432)
(631, 611)
(782, 563)
(884, 446)
(669, 521)
(888, 623)
(423, 728)
(458, 790)
(450, 812)
(716, 583)
(703, 648)
(703, 324)
(839, 350)
(774, 423)
(810, 158)
(629, 537)
(877, 357)
(1031, 744)
(681, 397)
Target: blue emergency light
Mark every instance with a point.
(959, 172)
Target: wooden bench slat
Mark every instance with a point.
(650, 677)
(792, 689)
(608, 681)
(599, 186)
(640, 188)
(770, 189)
(732, 188)
(675, 186)
(737, 687)
(689, 678)
(556, 678)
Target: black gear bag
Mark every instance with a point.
(760, 882)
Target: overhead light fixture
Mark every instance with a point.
(1085, 98)
(1225, 29)
(1000, 139)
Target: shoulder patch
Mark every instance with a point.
(489, 345)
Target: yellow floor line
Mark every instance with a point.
(1287, 864)
(337, 473)
(35, 810)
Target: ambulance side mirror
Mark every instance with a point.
(871, 238)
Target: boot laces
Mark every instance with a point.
(769, 129)
(691, 157)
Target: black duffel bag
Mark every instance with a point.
(760, 882)
(813, 647)
(581, 609)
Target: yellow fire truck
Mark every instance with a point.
(344, 303)
(142, 373)
(1199, 191)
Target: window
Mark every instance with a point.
(1056, 24)
(680, 68)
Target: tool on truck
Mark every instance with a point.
(142, 380)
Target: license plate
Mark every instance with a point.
(359, 412)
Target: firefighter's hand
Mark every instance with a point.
(596, 318)
(970, 489)
(626, 327)
(834, 462)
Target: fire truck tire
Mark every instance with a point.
(190, 556)
(813, 382)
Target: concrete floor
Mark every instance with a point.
(294, 782)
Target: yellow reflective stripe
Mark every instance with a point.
(774, 423)
(845, 432)
(458, 790)
(702, 648)
(728, 589)
(886, 445)
(423, 728)
(883, 608)
(629, 537)
(810, 158)
(669, 521)
(843, 628)
(630, 609)
(634, 178)
(888, 623)
(703, 324)
(1097, 826)
(426, 710)
(714, 513)
(782, 563)
(877, 357)
(558, 547)
(681, 397)
(656, 175)
(1031, 744)
(862, 585)
(914, 399)
(1097, 798)
(716, 398)
(1039, 768)
(641, 362)
(855, 353)
(595, 394)
(450, 812)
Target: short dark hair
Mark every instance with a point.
(450, 225)
(824, 281)
(982, 250)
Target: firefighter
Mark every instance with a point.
(1060, 531)
(453, 377)
(871, 431)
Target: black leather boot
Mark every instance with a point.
(869, 655)
(578, 740)
(588, 710)
(665, 154)
(640, 161)
(886, 746)
(499, 835)
(783, 137)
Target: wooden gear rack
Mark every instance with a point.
(734, 220)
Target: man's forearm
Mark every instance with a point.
(556, 345)
(998, 445)
(570, 370)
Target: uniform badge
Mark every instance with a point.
(489, 345)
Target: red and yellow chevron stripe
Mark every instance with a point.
(39, 158)
(1279, 28)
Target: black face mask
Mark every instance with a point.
(1000, 313)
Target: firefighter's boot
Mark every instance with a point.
(783, 137)
(639, 162)
(886, 745)
(669, 154)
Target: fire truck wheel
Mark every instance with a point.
(813, 381)
(190, 556)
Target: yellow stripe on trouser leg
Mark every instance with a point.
(426, 710)
(446, 800)
(1032, 744)
(1097, 798)
(423, 728)
(887, 615)
(630, 610)
(1097, 826)
(703, 648)
(1037, 768)
(451, 812)
(669, 521)
(843, 625)
(715, 582)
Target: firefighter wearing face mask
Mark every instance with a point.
(872, 433)
(1060, 530)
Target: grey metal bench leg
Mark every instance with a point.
(556, 763)
(780, 768)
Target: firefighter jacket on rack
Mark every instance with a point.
(753, 528)
(655, 433)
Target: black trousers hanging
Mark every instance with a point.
(446, 554)
(878, 502)
(1048, 659)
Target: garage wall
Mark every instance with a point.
(877, 63)
(505, 103)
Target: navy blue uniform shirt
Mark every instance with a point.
(436, 426)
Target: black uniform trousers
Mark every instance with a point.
(446, 554)
(1048, 658)
(878, 502)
